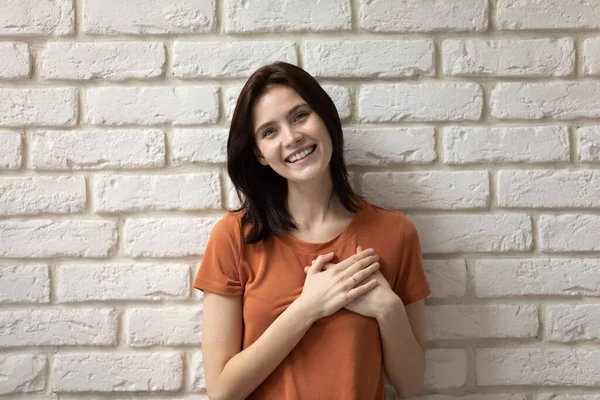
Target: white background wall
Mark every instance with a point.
(479, 120)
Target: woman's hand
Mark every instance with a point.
(372, 301)
(325, 292)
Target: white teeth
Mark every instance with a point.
(301, 155)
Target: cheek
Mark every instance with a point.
(270, 152)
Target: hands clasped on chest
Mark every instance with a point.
(354, 283)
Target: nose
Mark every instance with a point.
(290, 136)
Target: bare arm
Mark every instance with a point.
(403, 338)
(232, 373)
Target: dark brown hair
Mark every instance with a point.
(261, 190)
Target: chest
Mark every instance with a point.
(274, 278)
(323, 233)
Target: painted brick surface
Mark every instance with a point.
(479, 120)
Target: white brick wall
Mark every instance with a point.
(236, 59)
(478, 119)
(14, 60)
(11, 149)
(102, 60)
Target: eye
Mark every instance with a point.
(266, 133)
(300, 114)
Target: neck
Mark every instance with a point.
(313, 203)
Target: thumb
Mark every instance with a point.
(318, 264)
(359, 249)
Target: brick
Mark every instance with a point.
(589, 143)
(189, 146)
(481, 321)
(369, 58)
(167, 237)
(22, 373)
(231, 97)
(118, 372)
(535, 144)
(340, 96)
(549, 188)
(558, 100)
(163, 326)
(49, 238)
(428, 189)
(591, 56)
(50, 106)
(411, 16)
(388, 146)
(551, 14)
(148, 17)
(97, 149)
(198, 383)
(47, 327)
(541, 276)
(24, 283)
(31, 17)
(451, 233)
(268, 16)
(568, 323)
(32, 195)
(233, 201)
(420, 102)
(152, 105)
(228, 59)
(102, 60)
(537, 366)
(445, 368)
(14, 60)
(93, 282)
(447, 278)
(11, 150)
(478, 396)
(183, 192)
(558, 396)
(537, 276)
(569, 232)
(533, 57)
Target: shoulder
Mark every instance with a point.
(390, 219)
(229, 226)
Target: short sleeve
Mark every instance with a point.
(411, 284)
(219, 268)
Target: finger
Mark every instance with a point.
(318, 264)
(328, 266)
(360, 290)
(367, 272)
(355, 258)
(359, 265)
(359, 249)
(306, 269)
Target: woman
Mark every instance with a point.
(294, 308)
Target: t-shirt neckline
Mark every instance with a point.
(320, 248)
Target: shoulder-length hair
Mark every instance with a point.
(261, 190)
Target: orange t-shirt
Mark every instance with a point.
(340, 356)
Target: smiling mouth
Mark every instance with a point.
(310, 151)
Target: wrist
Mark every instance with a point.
(391, 304)
(304, 313)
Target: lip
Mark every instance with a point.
(298, 151)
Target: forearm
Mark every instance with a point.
(403, 357)
(249, 368)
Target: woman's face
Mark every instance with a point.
(290, 137)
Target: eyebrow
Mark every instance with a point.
(290, 112)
